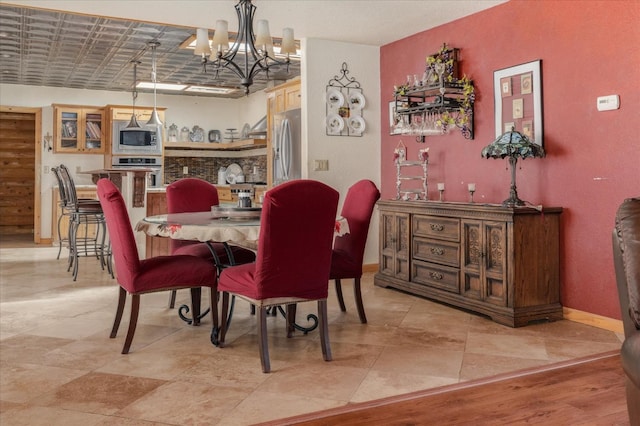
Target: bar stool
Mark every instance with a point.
(82, 213)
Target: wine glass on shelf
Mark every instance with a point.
(439, 69)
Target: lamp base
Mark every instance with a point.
(513, 202)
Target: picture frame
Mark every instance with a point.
(393, 119)
(528, 89)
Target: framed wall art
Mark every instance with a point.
(518, 100)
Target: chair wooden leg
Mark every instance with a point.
(262, 339)
(358, 296)
(224, 311)
(172, 299)
(196, 294)
(133, 321)
(291, 318)
(324, 330)
(343, 308)
(122, 298)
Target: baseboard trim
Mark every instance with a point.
(593, 320)
(371, 267)
(569, 314)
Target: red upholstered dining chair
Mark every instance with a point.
(137, 276)
(198, 195)
(294, 257)
(348, 249)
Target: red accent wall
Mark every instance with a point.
(588, 49)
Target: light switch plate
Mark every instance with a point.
(607, 103)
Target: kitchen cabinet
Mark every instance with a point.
(78, 129)
(196, 149)
(123, 113)
(502, 262)
(224, 194)
(281, 98)
(157, 204)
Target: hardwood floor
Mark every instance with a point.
(586, 391)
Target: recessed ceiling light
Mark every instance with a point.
(161, 86)
(212, 90)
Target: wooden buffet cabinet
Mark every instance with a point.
(498, 261)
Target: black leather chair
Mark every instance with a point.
(626, 258)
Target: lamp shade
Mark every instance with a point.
(263, 37)
(288, 44)
(202, 42)
(220, 41)
(512, 144)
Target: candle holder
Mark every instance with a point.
(472, 189)
(441, 191)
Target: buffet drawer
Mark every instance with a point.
(443, 252)
(442, 228)
(437, 276)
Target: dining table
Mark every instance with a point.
(222, 224)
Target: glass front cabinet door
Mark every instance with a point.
(79, 129)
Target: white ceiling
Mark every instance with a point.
(371, 22)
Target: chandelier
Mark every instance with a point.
(251, 53)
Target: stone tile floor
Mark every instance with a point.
(59, 367)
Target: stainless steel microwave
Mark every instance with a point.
(142, 141)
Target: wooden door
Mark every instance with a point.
(17, 177)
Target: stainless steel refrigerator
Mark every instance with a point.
(287, 149)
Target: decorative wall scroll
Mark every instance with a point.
(345, 102)
(518, 100)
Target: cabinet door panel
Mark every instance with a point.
(394, 245)
(156, 246)
(495, 262)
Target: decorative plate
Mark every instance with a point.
(233, 171)
(244, 134)
(335, 124)
(335, 99)
(356, 101)
(196, 134)
(356, 124)
(215, 136)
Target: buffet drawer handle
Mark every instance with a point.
(436, 275)
(436, 227)
(436, 250)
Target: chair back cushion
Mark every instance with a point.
(296, 235)
(123, 243)
(628, 231)
(348, 250)
(190, 195)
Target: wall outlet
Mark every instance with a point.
(185, 170)
(78, 169)
(321, 165)
(47, 170)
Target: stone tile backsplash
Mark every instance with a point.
(207, 167)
